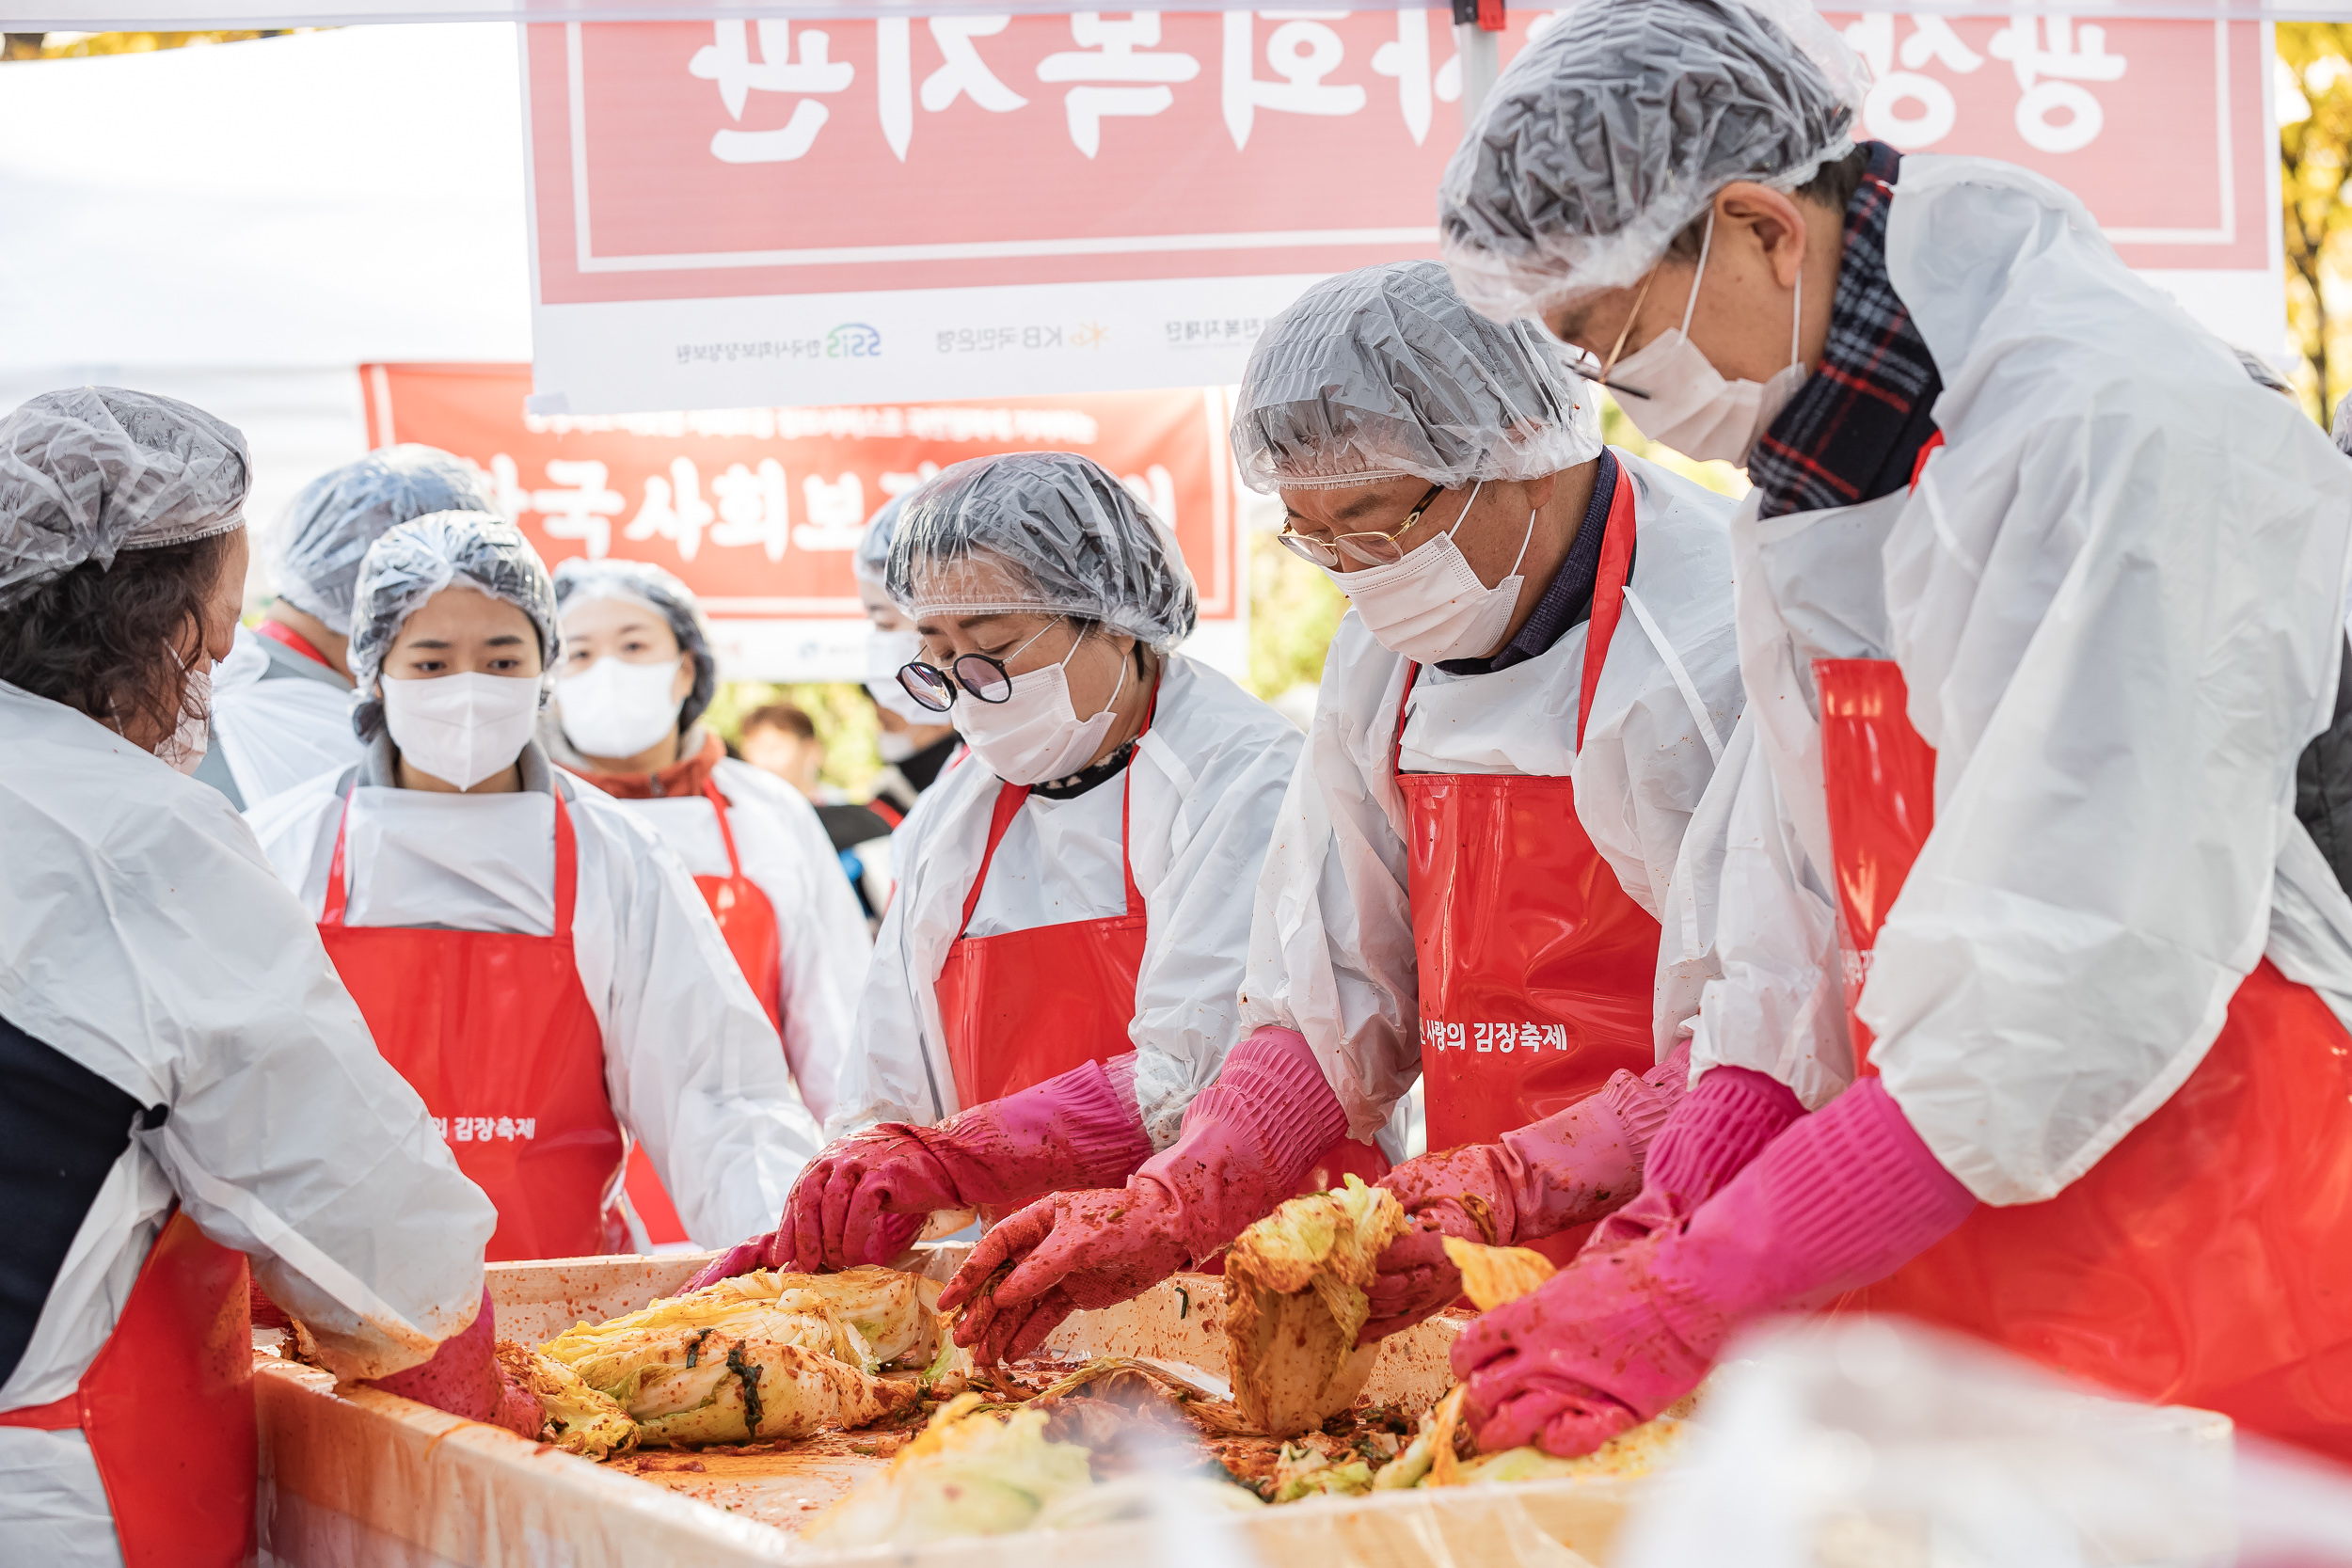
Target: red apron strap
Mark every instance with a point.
(1126, 796)
(727, 832)
(1403, 705)
(1927, 449)
(1616, 560)
(1009, 798)
(58, 1414)
(288, 637)
(333, 914)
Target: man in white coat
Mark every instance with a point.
(2040, 599)
(1517, 716)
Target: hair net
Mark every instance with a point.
(340, 514)
(1614, 129)
(419, 559)
(2341, 432)
(580, 579)
(1050, 532)
(90, 471)
(1384, 371)
(872, 561)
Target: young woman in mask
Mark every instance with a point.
(527, 951)
(636, 677)
(2041, 602)
(1060, 974)
(186, 1090)
(1520, 714)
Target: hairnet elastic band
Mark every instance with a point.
(229, 526)
(1337, 481)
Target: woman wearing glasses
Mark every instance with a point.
(1518, 720)
(1060, 974)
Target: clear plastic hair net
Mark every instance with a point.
(315, 555)
(419, 559)
(872, 561)
(1050, 532)
(580, 579)
(1382, 373)
(93, 470)
(2341, 432)
(1614, 129)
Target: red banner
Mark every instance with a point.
(758, 510)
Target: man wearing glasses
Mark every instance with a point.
(1517, 719)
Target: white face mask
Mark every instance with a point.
(887, 654)
(183, 748)
(895, 744)
(617, 709)
(1431, 605)
(461, 729)
(1035, 734)
(1690, 407)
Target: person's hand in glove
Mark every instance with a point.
(1569, 1169)
(1842, 1198)
(865, 1198)
(464, 1378)
(1708, 1139)
(1249, 1140)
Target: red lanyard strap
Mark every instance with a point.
(1011, 796)
(567, 866)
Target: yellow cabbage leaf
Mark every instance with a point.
(1295, 1291)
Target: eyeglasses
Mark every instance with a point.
(982, 674)
(1373, 547)
(1598, 371)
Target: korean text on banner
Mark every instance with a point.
(771, 211)
(758, 510)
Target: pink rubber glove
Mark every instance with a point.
(865, 1198)
(1247, 1142)
(465, 1379)
(1842, 1198)
(1569, 1169)
(1711, 1137)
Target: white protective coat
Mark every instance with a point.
(144, 936)
(1332, 951)
(821, 930)
(695, 1074)
(276, 733)
(1208, 780)
(2116, 598)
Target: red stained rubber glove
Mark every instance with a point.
(865, 1198)
(1710, 1138)
(1569, 1169)
(1247, 1142)
(1844, 1197)
(465, 1379)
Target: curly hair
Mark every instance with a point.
(99, 640)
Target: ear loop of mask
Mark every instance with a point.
(1524, 542)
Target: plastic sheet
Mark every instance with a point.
(1865, 1442)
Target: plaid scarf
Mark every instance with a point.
(1854, 428)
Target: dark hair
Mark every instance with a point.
(99, 639)
(780, 716)
(1831, 186)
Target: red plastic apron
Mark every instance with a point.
(748, 921)
(2207, 1260)
(1022, 1006)
(1536, 968)
(493, 1029)
(168, 1408)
